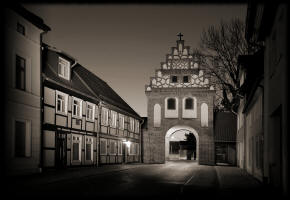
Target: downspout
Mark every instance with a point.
(141, 141)
(40, 166)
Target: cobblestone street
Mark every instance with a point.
(176, 180)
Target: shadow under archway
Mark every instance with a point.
(172, 131)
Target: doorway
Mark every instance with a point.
(61, 150)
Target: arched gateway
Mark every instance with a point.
(180, 97)
(183, 130)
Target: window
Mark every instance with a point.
(64, 68)
(105, 116)
(89, 148)
(121, 122)
(20, 72)
(61, 102)
(171, 104)
(103, 146)
(77, 107)
(136, 126)
(132, 124)
(22, 139)
(20, 28)
(113, 119)
(132, 149)
(90, 111)
(119, 147)
(157, 115)
(174, 79)
(113, 147)
(204, 115)
(185, 79)
(76, 147)
(189, 103)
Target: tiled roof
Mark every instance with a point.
(75, 84)
(225, 127)
(102, 89)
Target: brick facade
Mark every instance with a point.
(154, 137)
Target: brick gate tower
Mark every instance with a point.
(179, 97)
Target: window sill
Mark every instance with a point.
(61, 113)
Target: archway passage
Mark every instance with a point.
(181, 143)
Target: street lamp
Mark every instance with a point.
(128, 143)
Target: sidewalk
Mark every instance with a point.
(52, 175)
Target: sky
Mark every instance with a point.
(124, 44)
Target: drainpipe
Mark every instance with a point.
(141, 141)
(40, 165)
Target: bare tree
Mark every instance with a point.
(220, 47)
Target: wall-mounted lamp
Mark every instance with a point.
(128, 143)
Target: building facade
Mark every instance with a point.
(267, 24)
(225, 129)
(180, 98)
(250, 115)
(22, 139)
(85, 123)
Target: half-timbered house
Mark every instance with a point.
(85, 122)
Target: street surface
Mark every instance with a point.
(173, 180)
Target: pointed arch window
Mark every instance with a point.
(171, 104)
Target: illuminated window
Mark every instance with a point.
(171, 104)
(137, 126)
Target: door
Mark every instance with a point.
(61, 151)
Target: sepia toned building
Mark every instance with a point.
(265, 145)
(180, 100)
(85, 123)
(23, 32)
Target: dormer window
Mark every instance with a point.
(64, 68)
(20, 28)
(174, 79)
